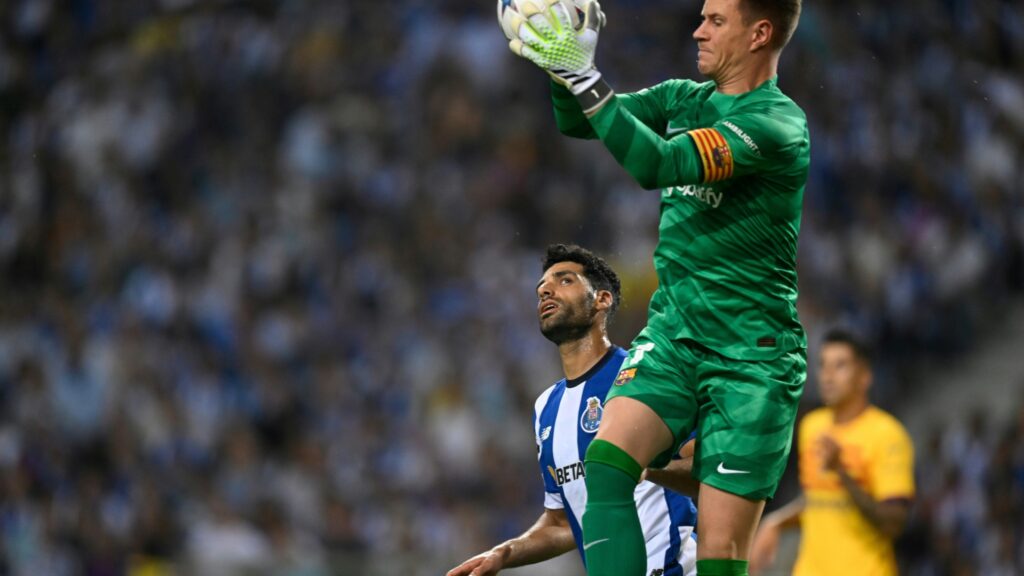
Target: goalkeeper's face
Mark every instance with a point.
(723, 40)
(566, 303)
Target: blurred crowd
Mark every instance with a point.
(969, 516)
(267, 267)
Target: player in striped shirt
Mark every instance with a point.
(576, 298)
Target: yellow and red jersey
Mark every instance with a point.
(878, 454)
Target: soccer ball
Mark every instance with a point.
(508, 8)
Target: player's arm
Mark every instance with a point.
(543, 32)
(645, 106)
(633, 128)
(678, 475)
(705, 155)
(550, 536)
(786, 517)
(888, 514)
(766, 541)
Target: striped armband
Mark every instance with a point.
(714, 152)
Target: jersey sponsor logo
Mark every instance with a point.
(625, 377)
(591, 418)
(714, 152)
(705, 194)
(743, 136)
(566, 474)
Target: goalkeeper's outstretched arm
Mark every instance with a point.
(543, 32)
(569, 116)
(651, 160)
(572, 122)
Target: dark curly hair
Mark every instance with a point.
(595, 269)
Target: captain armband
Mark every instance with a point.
(715, 156)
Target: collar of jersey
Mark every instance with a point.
(570, 382)
(723, 102)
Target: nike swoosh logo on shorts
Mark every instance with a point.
(595, 542)
(723, 470)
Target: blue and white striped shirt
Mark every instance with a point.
(566, 417)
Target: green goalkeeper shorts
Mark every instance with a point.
(743, 411)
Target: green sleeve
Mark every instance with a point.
(650, 159)
(764, 140)
(569, 115)
(647, 106)
(734, 146)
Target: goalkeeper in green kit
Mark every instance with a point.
(723, 352)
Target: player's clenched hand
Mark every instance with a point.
(548, 39)
(485, 564)
(830, 453)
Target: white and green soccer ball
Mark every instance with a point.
(509, 9)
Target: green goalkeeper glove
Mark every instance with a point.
(546, 36)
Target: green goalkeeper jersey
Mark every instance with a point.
(732, 170)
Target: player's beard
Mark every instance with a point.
(569, 324)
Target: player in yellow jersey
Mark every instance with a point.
(856, 472)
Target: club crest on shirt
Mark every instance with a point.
(591, 417)
(625, 377)
(721, 155)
